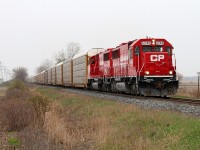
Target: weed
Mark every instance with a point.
(14, 142)
(41, 105)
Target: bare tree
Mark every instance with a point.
(71, 50)
(46, 64)
(20, 73)
(60, 56)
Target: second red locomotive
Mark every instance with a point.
(143, 66)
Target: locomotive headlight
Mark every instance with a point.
(146, 72)
(170, 72)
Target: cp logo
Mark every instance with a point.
(156, 57)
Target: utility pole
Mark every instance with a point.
(4, 73)
(198, 73)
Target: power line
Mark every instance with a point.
(5, 74)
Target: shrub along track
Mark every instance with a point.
(189, 106)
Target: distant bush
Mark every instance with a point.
(41, 105)
(17, 84)
(17, 90)
(20, 73)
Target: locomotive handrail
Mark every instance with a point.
(142, 66)
(174, 61)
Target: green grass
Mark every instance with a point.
(114, 125)
(50, 93)
(160, 129)
(181, 96)
(14, 142)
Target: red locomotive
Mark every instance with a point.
(142, 66)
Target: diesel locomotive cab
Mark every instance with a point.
(157, 71)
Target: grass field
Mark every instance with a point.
(81, 122)
(188, 90)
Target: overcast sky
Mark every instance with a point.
(33, 30)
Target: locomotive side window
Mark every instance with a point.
(137, 50)
(115, 54)
(106, 57)
(168, 50)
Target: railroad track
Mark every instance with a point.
(189, 101)
(188, 106)
(194, 102)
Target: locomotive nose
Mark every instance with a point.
(156, 63)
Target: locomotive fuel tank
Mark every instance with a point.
(119, 87)
(96, 86)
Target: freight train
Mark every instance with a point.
(143, 67)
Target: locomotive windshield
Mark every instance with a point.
(152, 49)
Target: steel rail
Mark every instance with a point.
(194, 102)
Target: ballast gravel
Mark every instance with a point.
(149, 103)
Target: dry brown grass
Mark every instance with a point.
(78, 122)
(81, 122)
(16, 115)
(189, 92)
(84, 123)
(19, 117)
(74, 131)
(188, 89)
(16, 112)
